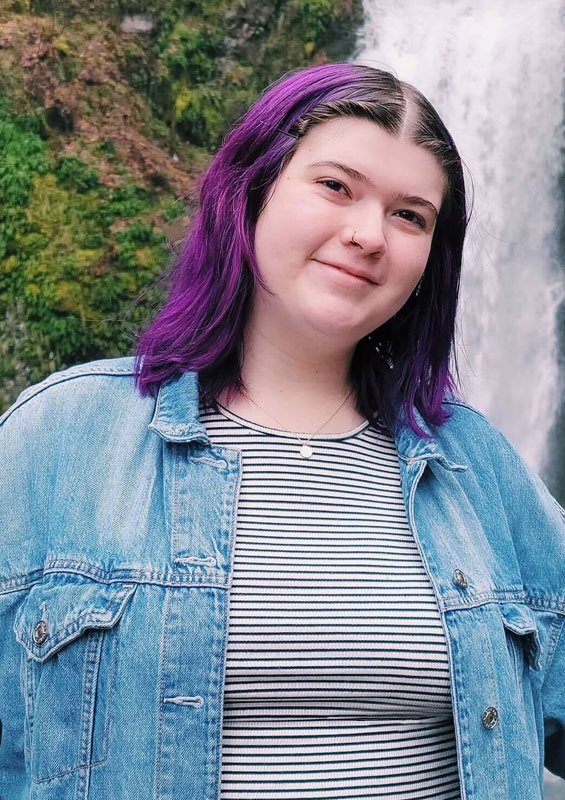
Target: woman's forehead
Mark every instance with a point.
(370, 155)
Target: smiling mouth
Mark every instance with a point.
(351, 275)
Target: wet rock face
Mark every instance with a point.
(137, 23)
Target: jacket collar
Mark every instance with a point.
(176, 416)
(176, 419)
(412, 448)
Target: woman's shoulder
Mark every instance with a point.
(85, 406)
(472, 438)
(465, 413)
(470, 428)
(85, 386)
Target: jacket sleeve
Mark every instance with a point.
(538, 528)
(23, 507)
(544, 520)
(554, 701)
(537, 525)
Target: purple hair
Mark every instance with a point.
(404, 362)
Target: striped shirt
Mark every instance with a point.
(337, 682)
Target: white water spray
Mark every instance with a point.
(494, 72)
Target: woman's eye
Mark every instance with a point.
(331, 184)
(413, 217)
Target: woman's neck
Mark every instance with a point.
(292, 387)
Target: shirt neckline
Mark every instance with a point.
(246, 423)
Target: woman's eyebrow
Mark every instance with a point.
(358, 176)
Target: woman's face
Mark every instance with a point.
(348, 177)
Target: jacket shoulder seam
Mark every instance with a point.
(80, 371)
(462, 404)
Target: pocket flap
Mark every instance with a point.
(61, 607)
(520, 619)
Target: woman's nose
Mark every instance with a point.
(366, 234)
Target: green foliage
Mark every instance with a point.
(191, 70)
(81, 258)
(23, 156)
(315, 17)
(72, 173)
(172, 210)
(106, 148)
(124, 201)
(199, 115)
(191, 53)
(76, 257)
(139, 235)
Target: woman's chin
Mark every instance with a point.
(336, 326)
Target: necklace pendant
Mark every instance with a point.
(306, 451)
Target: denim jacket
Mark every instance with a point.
(117, 526)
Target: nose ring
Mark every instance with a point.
(353, 238)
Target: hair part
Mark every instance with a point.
(403, 363)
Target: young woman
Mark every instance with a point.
(275, 556)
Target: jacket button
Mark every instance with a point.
(40, 632)
(460, 578)
(489, 717)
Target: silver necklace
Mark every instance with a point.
(306, 450)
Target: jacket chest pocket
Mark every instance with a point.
(68, 627)
(522, 638)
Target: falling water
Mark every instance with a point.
(494, 71)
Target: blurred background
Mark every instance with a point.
(110, 110)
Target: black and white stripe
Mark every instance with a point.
(337, 682)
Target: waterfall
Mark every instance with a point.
(494, 72)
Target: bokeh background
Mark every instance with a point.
(111, 109)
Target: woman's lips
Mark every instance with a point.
(347, 278)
